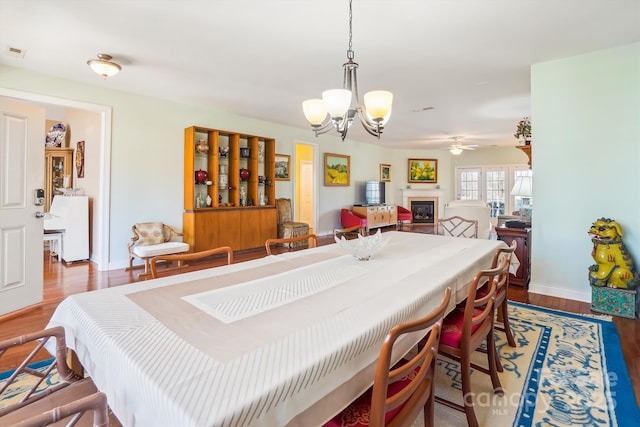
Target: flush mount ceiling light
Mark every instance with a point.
(104, 66)
(338, 107)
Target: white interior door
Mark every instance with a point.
(22, 138)
(306, 192)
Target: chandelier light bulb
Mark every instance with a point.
(378, 104)
(337, 102)
(315, 111)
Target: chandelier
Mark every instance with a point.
(338, 107)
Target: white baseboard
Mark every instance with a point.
(116, 265)
(560, 292)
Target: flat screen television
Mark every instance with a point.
(374, 193)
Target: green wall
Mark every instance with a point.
(586, 162)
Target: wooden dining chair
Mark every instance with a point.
(348, 232)
(293, 243)
(502, 291)
(192, 256)
(456, 226)
(502, 296)
(93, 406)
(463, 331)
(53, 403)
(402, 390)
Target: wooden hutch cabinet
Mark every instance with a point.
(58, 162)
(229, 189)
(523, 251)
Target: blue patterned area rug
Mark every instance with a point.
(23, 382)
(567, 370)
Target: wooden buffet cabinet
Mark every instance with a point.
(227, 209)
(58, 162)
(523, 251)
(377, 216)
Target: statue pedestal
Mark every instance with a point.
(618, 302)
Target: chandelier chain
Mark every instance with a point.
(350, 50)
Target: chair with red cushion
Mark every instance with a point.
(502, 294)
(404, 217)
(350, 219)
(463, 331)
(400, 392)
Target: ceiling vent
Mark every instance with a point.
(15, 52)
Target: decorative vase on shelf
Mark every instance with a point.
(223, 151)
(201, 176)
(223, 180)
(202, 147)
(244, 174)
(209, 200)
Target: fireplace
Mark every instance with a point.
(427, 195)
(424, 210)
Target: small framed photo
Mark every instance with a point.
(283, 165)
(423, 171)
(385, 172)
(337, 169)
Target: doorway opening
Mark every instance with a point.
(305, 184)
(100, 230)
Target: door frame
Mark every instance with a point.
(101, 229)
(316, 162)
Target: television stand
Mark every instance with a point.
(377, 215)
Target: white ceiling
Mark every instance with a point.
(469, 59)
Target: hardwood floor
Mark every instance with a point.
(61, 281)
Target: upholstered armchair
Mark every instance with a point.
(350, 219)
(477, 210)
(404, 217)
(287, 227)
(152, 239)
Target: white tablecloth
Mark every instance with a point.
(282, 340)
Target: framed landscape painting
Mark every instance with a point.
(423, 171)
(336, 169)
(385, 172)
(283, 164)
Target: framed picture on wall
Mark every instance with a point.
(385, 172)
(337, 169)
(283, 164)
(423, 171)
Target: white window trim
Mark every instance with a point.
(509, 173)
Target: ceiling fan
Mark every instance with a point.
(456, 148)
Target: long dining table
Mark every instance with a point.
(287, 339)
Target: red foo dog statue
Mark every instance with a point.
(614, 267)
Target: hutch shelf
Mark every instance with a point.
(229, 189)
(57, 165)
